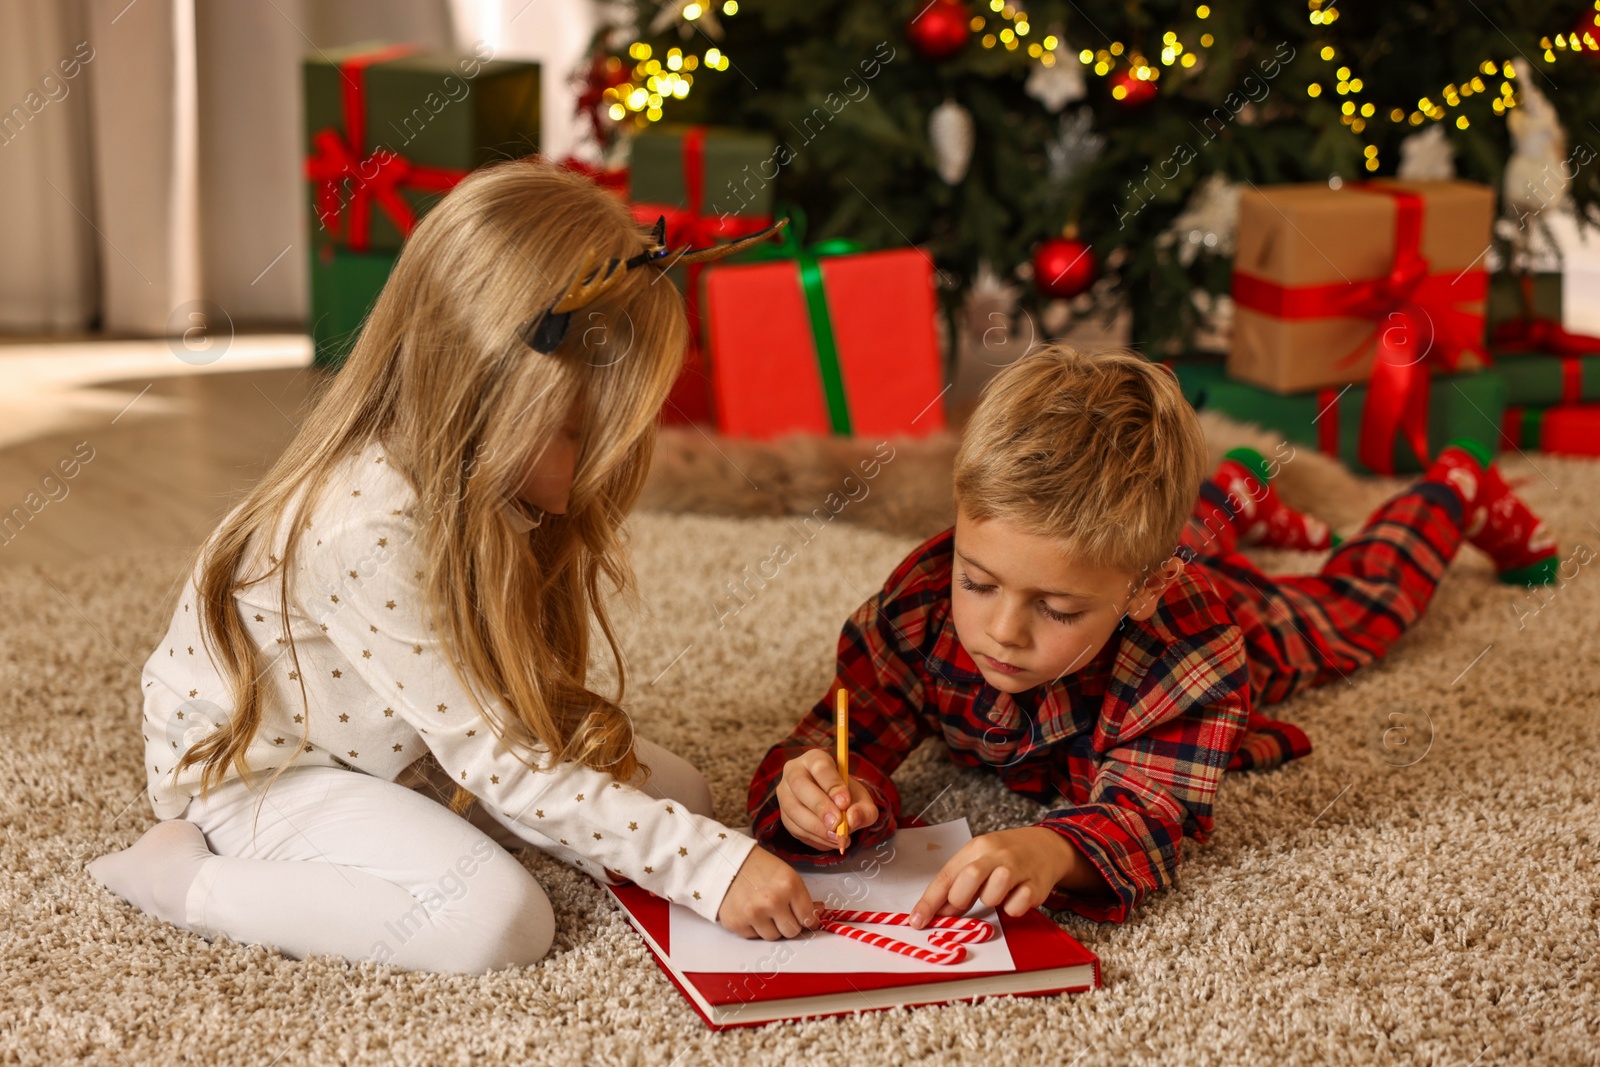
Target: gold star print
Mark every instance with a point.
(682, 851)
(169, 651)
(194, 692)
(344, 717)
(538, 813)
(308, 748)
(299, 718)
(416, 650)
(383, 542)
(319, 540)
(670, 809)
(334, 597)
(494, 779)
(580, 796)
(191, 650)
(399, 685)
(353, 574)
(597, 835)
(366, 653)
(261, 618)
(722, 835)
(374, 629)
(186, 607)
(389, 604)
(563, 840)
(472, 733)
(388, 713)
(294, 676)
(416, 574)
(697, 894)
(272, 559)
(277, 740)
(616, 785)
(279, 640)
(463, 776)
(180, 714)
(633, 826)
(396, 511)
(355, 492)
(354, 753)
(398, 747)
(649, 870)
(441, 708)
(337, 673)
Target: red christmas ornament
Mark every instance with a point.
(1063, 267)
(941, 30)
(1131, 92)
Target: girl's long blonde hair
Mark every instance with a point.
(463, 408)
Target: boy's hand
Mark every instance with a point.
(767, 899)
(1013, 870)
(811, 796)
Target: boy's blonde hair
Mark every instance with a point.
(1099, 451)
(464, 407)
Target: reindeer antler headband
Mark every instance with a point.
(546, 330)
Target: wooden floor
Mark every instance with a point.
(157, 478)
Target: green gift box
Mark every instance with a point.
(389, 128)
(344, 286)
(664, 159)
(1541, 363)
(1330, 420)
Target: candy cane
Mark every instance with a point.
(950, 933)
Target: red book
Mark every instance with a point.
(1048, 961)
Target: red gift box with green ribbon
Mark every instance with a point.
(677, 173)
(390, 128)
(824, 339)
(1564, 429)
(1381, 282)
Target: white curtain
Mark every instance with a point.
(167, 171)
(48, 257)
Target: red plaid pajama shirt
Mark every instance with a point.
(1125, 753)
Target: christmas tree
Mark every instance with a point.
(1100, 139)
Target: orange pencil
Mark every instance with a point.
(841, 735)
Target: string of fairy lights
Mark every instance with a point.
(655, 80)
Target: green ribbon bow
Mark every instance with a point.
(791, 245)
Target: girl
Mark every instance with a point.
(405, 600)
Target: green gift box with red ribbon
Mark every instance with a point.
(1332, 420)
(390, 128)
(1543, 363)
(1377, 282)
(699, 178)
(824, 339)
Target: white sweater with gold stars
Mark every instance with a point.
(379, 693)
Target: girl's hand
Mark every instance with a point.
(767, 900)
(811, 796)
(1013, 870)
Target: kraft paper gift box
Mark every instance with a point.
(1324, 278)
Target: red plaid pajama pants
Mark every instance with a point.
(1303, 630)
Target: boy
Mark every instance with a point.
(1088, 631)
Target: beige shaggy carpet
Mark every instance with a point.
(1421, 890)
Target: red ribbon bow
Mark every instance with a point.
(1543, 335)
(1418, 321)
(337, 159)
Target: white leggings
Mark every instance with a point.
(342, 862)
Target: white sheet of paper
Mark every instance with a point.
(890, 877)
